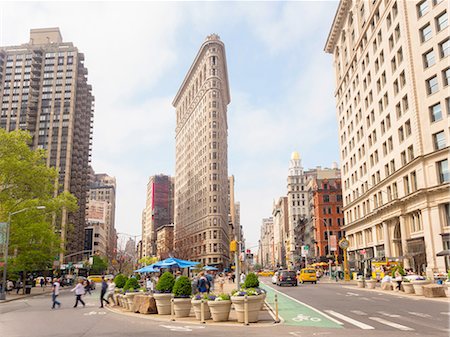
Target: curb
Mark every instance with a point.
(401, 294)
(169, 320)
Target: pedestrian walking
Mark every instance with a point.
(19, 285)
(110, 291)
(79, 291)
(103, 292)
(398, 279)
(210, 279)
(87, 287)
(242, 279)
(202, 284)
(9, 286)
(221, 282)
(42, 283)
(55, 293)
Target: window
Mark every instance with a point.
(401, 134)
(444, 48)
(422, 8)
(429, 59)
(439, 140)
(444, 176)
(406, 185)
(432, 85)
(436, 112)
(441, 21)
(326, 198)
(446, 76)
(425, 33)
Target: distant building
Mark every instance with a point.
(326, 208)
(164, 241)
(280, 231)
(266, 254)
(158, 210)
(44, 90)
(131, 249)
(102, 191)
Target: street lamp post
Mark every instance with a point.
(5, 263)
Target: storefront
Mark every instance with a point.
(418, 258)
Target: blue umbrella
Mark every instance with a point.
(173, 262)
(210, 268)
(148, 269)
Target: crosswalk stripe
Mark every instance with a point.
(350, 320)
(392, 324)
(358, 312)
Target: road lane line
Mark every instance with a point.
(388, 314)
(306, 305)
(418, 314)
(350, 320)
(392, 324)
(358, 312)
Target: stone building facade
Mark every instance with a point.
(391, 62)
(201, 173)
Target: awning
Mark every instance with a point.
(445, 252)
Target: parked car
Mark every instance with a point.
(265, 273)
(287, 277)
(275, 278)
(307, 275)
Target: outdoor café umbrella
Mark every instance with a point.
(207, 268)
(174, 262)
(148, 269)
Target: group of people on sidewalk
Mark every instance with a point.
(107, 290)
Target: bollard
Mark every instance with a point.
(277, 318)
(202, 314)
(172, 310)
(245, 310)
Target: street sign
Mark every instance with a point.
(91, 260)
(305, 250)
(333, 243)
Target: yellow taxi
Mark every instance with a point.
(95, 278)
(266, 273)
(307, 275)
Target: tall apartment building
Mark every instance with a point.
(201, 196)
(280, 215)
(158, 211)
(96, 237)
(44, 90)
(391, 61)
(326, 208)
(266, 256)
(103, 189)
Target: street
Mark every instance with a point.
(331, 309)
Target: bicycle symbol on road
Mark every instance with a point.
(302, 318)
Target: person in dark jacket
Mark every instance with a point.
(203, 283)
(103, 292)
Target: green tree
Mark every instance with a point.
(99, 265)
(148, 260)
(25, 183)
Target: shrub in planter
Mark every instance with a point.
(131, 285)
(251, 281)
(400, 270)
(165, 283)
(120, 280)
(182, 287)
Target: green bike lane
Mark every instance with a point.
(296, 313)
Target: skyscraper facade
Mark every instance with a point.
(158, 211)
(391, 62)
(44, 90)
(201, 195)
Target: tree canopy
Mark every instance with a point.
(99, 265)
(26, 182)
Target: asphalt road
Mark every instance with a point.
(369, 311)
(33, 317)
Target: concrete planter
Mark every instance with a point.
(418, 284)
(386, 286)
(254, 306)
(128, 298)
(182, 307)
(408, 287)
(360, 283)
(197, 305)
(371, 284)
(163, 303)
(446, 288)
(220, 310)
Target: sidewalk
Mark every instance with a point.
(35, 291)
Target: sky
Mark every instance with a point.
(137, 55)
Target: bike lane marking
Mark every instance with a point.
(295, 312)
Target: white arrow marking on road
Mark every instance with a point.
(388, 314)
(175, 328)
(392, 324)
(418, 314)
(350, 320)
(358, 312)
